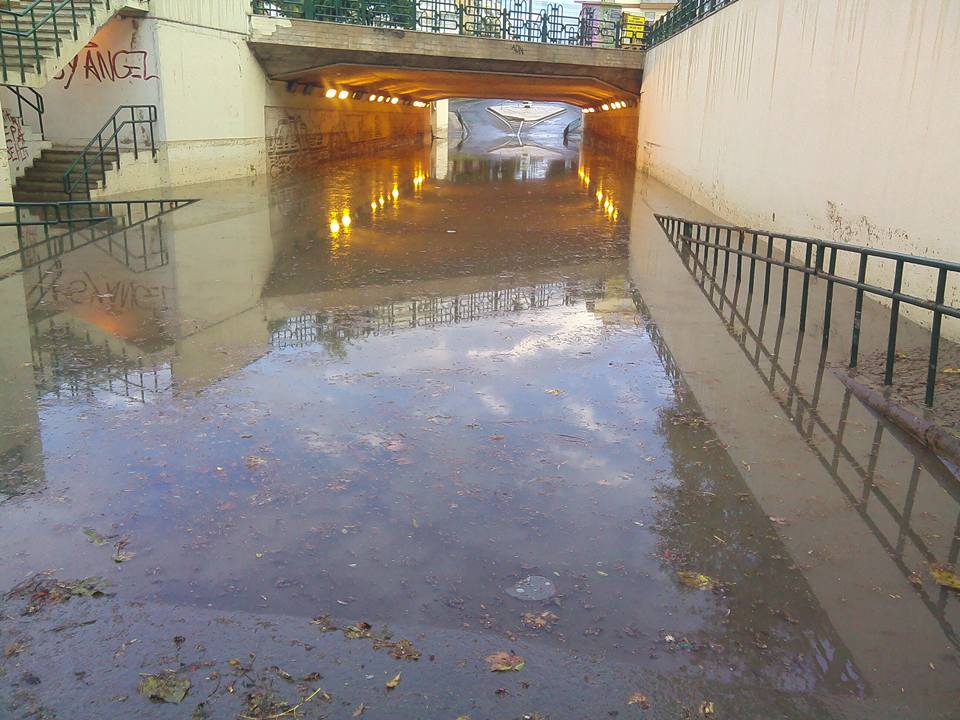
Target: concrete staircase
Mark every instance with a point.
(33, 62)
(43, 182)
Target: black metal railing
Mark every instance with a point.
(684, 14)
(32, 99)
(814, 258)
(495, 19)
(108, 141)
(49, 229)
(31, 30)
(851, 463)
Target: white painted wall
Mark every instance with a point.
(832, 118)
(120, 66)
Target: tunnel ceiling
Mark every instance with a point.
(420, 84)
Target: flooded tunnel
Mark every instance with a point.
(451, 428)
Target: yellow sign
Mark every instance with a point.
(633, 29)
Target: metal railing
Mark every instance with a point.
(494, 19)
(79, 172)
(684, 14)
(820, 259)
(32, 99)
(32, 32)
(850, 463)
(75, 218)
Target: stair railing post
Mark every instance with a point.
(56, 27)
(116, 138)
(133, 125)
(153, 141)
(103, 168)
(86, 175)
(73, 20)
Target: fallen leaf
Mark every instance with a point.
(945, 576)
(282, 674)
(602, 573)
(324, 622)
(312, 677)
(504, 662)
(951, 371)
(360, 630)
(166, 687)
(95, 537)
(253, 461)
(696, 580)
(359, 711)
(119, 555)
(707, 709)
(539, 621)
(554, 391)
(639, 699)
(392, 683)
(14, 648)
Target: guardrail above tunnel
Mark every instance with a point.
(492, 19)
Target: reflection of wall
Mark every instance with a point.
(299, 137)
(21, 454)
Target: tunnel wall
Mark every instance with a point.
(614, 130)
(831, 118)
(218, 111)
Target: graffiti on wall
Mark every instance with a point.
(107, 66)
(301, 138)
(17, 149)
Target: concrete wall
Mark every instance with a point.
(832, 118)
(614, 129)
(217, 110)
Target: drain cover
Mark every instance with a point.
(532, 588)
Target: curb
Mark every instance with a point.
(941, 441)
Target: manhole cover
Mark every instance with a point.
(533, 588)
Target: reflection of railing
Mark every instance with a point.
(885, 511)
(820, 260)
(477, 18)
(66, 226)
(684, 14)
(833, 659)
(69, 364)
(334, 330)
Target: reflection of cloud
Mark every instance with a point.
(493, 403)
(575, 328)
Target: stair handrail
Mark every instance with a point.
(70, 185)
(55, 6)
(37, 104)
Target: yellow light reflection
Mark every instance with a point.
(346, 219)
(395, 193)
(334, 227)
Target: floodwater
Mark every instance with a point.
(389, 392)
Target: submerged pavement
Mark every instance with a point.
(314, 418)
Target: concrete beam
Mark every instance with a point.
(436, 65)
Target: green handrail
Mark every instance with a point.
(104, 144)
(27, 24)
(499, 19)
